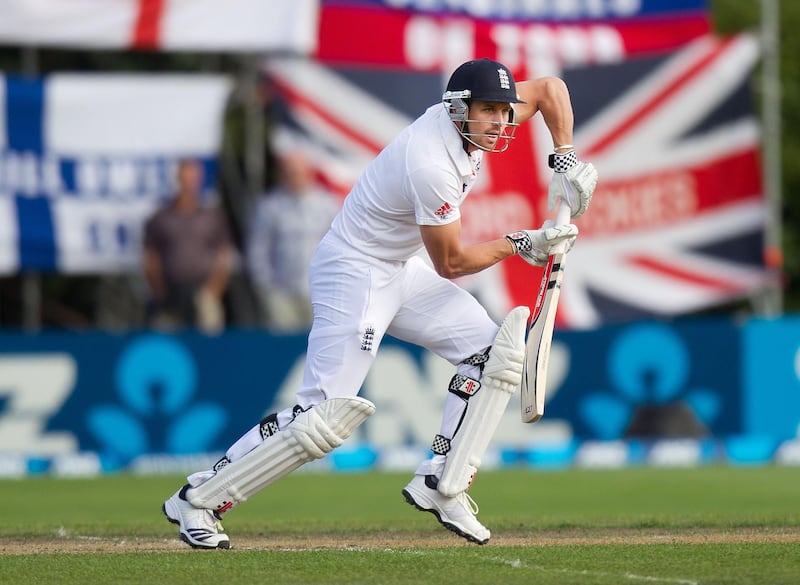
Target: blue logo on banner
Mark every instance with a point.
(156, 381)
(649, 367)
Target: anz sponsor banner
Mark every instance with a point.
(85, 158)
(691, 392)
(677, 222)
(534, 38)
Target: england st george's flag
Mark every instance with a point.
(677, 222)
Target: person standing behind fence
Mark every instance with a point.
(286, 225)
(187, 257)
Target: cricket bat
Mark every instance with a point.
(540, 331)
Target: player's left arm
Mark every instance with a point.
(550, 96)
(573, 181)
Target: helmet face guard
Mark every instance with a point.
(458, 108)
(483, 80)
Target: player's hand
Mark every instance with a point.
(573, 181)
(536, 246)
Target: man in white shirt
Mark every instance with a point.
(367, 280)
(286, 224)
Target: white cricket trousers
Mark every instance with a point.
(357, 299)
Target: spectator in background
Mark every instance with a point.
(187, 257)
(285, 227)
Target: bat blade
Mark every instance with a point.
(540, 332)
(540, 335)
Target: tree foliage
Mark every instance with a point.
(732, 16)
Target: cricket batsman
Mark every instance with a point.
(387, 265)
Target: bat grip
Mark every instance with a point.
(563, 215)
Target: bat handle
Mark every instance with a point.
(563, 214)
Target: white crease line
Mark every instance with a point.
(518, 564)
(515, 563)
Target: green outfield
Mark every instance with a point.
(711, 525)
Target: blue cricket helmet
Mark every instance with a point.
(484, 80)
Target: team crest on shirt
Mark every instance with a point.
(444, 211)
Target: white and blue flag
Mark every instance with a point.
(85, 158)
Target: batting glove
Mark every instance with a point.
(573, 181)
(536, 246)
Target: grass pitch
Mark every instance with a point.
(710, 525)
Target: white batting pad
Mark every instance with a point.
(501, 377)
(311, 435)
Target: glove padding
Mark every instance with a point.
(573, 181)
(536, 246)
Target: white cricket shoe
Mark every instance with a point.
(455, 513)
(198, 527)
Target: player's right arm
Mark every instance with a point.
(452, 259)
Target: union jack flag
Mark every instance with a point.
(676, 224)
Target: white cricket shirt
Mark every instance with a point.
(420, 178)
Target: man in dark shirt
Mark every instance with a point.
(187, 257)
